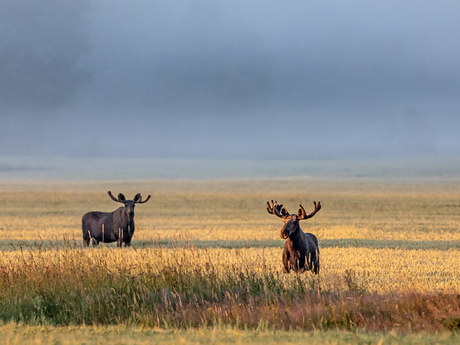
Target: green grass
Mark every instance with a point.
(12, 245)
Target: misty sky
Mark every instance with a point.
(229, 79)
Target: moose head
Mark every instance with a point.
(291, 221)
(129, 204)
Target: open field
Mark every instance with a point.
(207, 253)
(360, 214)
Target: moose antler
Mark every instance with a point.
(277, 209)
(122, 199)
(113, 198)
(303, 215)
(140, 200)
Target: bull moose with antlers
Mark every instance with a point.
(299, 246)
(113, 226)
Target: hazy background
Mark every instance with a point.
(229, 79)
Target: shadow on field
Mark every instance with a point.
(11, 245)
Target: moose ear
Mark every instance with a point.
(138, 197)
(121, 198)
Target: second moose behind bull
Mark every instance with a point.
(111, 226)
(299, 246)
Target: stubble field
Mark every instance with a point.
(206, 262)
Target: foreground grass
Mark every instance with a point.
(189, 287)
(12, 333)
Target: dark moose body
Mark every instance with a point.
(301, 250)
(116, 226)
(299, 247)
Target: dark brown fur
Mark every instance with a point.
(116, 226)
(301, 251)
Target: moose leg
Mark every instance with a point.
(286, 261)
(301, 264)
(86, 238)
(86, 242)
(315, 262)
(120, 238)
(310, 259)
(315, 268)
(95, 242)
(127, 240)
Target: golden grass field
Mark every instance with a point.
(382, 238)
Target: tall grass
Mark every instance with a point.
(187, 287)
